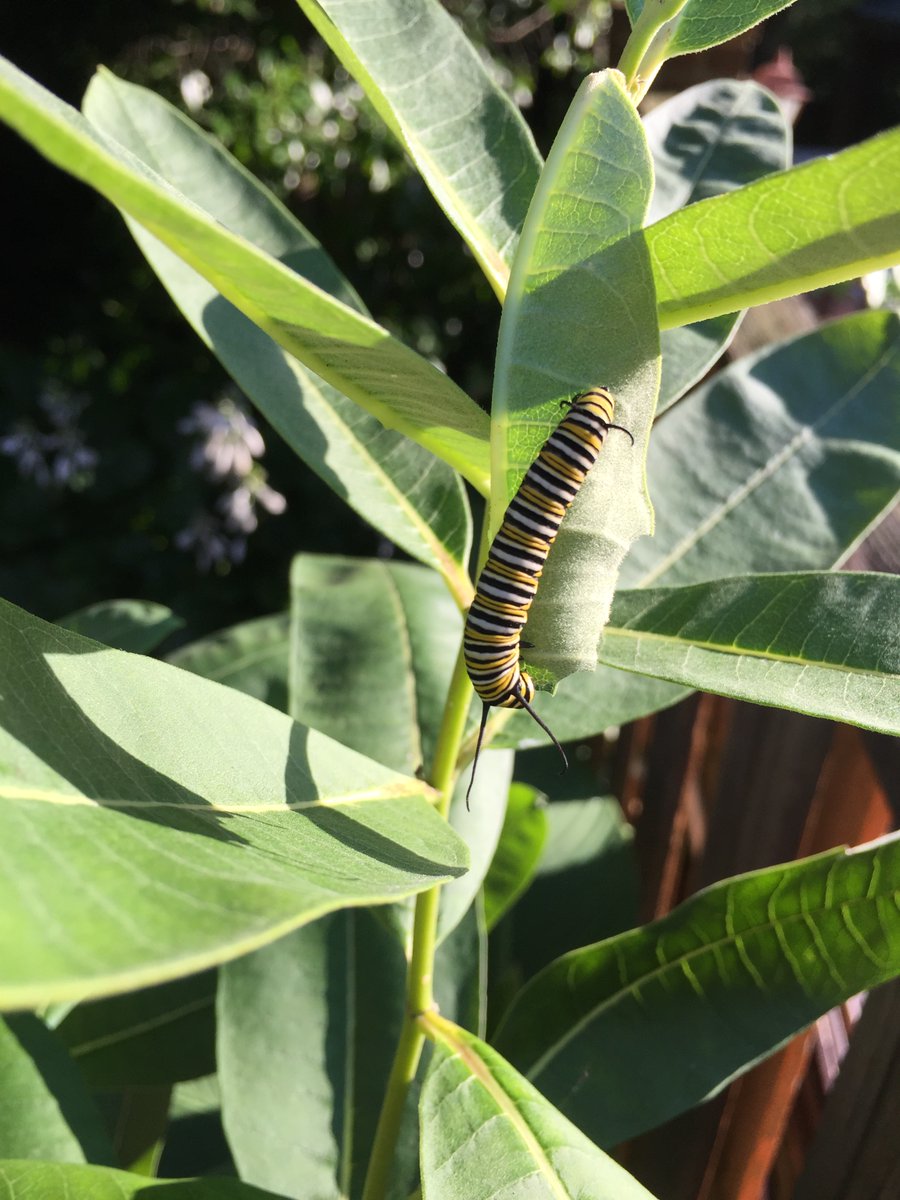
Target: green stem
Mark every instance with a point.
(420, 977)
(635, 62)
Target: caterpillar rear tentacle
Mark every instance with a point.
(508, 581)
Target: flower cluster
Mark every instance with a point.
(56, 456)
(226, 449)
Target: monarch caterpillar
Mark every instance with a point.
(508, 581)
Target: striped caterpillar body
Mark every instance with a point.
(509, 579)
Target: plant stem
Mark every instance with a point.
(420, 976)
(633, 62)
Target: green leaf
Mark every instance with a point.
(588, 703)
(251, 657)
(586, 886)
(518, 851)
(824, 644)
(627, 1033)
(698, 24)
(21, 1180)
(711, 139)
(460, 973)
(347, 678)
(400, 488)
(135, 625)
(781, 463)
(300, 1097)
(479, 826)
(580, 312)
(147, 1038)
(45, 1109)
(827, 221)
(396, 385)
(155, 823)
(434, 92)
(705, 141)
(486, 1131)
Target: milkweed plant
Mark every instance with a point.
(285, 801)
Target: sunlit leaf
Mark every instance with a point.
(487, 1131)
(825, 644)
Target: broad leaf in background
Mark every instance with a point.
(825, 222)
(580, 312)
(156, 823)
(153, 1036)
(251, 657)
(436, 95)
(518, 851)
(625, 1034)
(407, 494)
(705, 141)
(477, 1109)
(479, 826)
(135, 625)
(306, 1032)
(23, 1180)
(371, 653)
(780, 463)
(773, 639)
(586, 884)
(460, 972)
(45, 1109)
(588, 703)
(696, 24)
(396, 385)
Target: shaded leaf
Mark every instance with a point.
(150, 1037)
(518, 851)
(135, 625)
(349, 619)
(45, 1109)
(479, 826)
(155, 823)
(627, 1033)
(251, 657)
(306, 1033)
(781, 463)
(588, 703)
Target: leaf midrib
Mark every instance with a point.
(446, 1034)
(739, 652)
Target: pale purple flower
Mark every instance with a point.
(27, 446)
(230, 442)
(61, 458)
